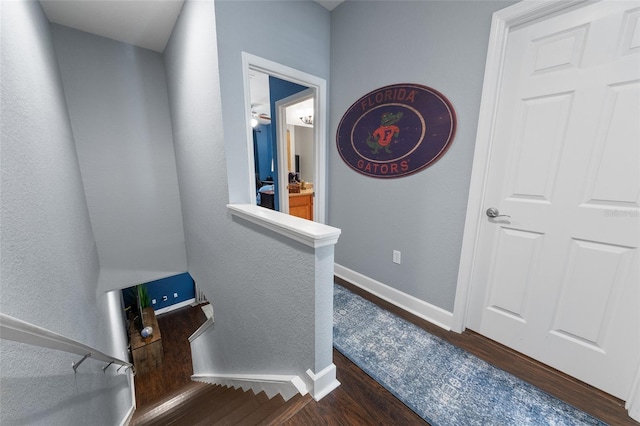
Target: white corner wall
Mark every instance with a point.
(304, 148)
(440, 44)
(117, 99)
(262, 285)
(292, 33)
(48, 258)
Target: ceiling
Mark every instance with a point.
(143, 23)
(329, 4)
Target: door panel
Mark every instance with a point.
(538, 148)
(517, 256)
(558, 280)
(559, 51)
(617, 142)
(588, 291)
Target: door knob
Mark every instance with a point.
(493, 212)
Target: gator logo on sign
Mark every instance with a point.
(396, 130)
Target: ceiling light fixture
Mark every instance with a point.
(307, 120)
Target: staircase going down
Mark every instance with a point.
(204, 404)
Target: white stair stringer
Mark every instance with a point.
(272, 385)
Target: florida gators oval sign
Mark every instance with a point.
(396, 130)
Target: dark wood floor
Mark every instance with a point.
(359, 400)
(587, 398)
(362, 401)
(176, 371)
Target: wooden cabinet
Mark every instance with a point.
(301, 204)
(147, 353)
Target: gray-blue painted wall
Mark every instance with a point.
(116, 95)
(291, 33)
(48, 257)
(364, 45)
(270, 316)
(440, 44)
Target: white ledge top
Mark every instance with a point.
(312, 234)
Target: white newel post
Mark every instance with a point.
(321, 379)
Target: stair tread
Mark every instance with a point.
(175, 399)
(287, 410)
(207, 414)
(170, 409)
(235, 416)
(264, 411)
(201, 406)
(205, 404)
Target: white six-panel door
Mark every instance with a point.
(559, 279)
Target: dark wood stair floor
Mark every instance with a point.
(360, 400)
(203, 404)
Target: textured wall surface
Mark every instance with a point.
(442, 45)
(49, 263)
(291, 33)
(117, 99)
(304, 148)
(262, 286)
(278, 90)
(181, 284)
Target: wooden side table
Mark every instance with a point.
(147, 352)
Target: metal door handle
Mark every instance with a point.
(493, 212)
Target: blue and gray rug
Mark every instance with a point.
(442, 383)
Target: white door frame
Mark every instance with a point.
(281, 122)
(319, 87)
(502, 22)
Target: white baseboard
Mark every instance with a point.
(208, 323)
(324, 382)
(634, 410)
(287, 386)
(127, 418)
(132, 388)
(411, 304)
(170, 308)
(633, 400)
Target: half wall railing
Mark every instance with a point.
(21, 331)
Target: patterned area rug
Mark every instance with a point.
(442, 383)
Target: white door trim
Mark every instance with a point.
(633, 400)
(319, 87)
(281, 122)
(503, 20)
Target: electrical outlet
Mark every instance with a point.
(165, 298)
(396, 257)
(175, 295)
